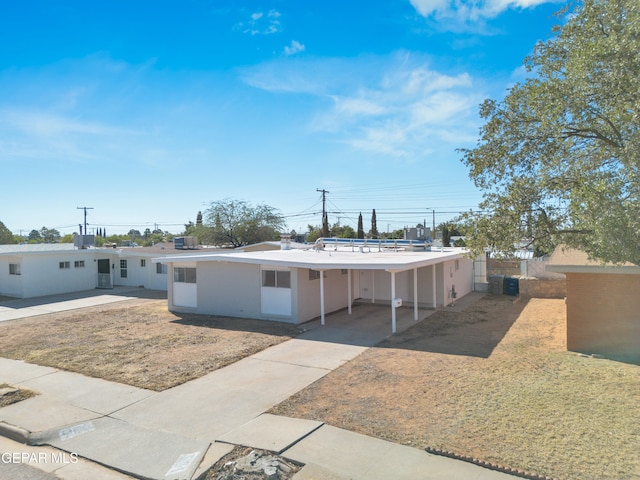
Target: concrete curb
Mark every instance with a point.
(14, 433)
(491, 466)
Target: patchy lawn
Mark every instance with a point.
(495, 383)
(139, 343)
(10, 394)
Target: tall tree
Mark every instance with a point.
(374, 225)
(50, 235)
(558, 157)
(446, 236)
(237, 223)
(5, 235)
(360, 227)
(325, 225)
(34, 236)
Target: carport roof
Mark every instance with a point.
(330, 259)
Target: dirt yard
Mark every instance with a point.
(138, 342)
(494, 383)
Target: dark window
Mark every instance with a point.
(276, 278)
(184, 275)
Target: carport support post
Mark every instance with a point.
(321, 297)
(393, 304)
(433, 281)
(373, 286)
(349, 289)
(415, 294)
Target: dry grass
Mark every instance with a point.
(13, 395)
(140, 343)
(495, 383)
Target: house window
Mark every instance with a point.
(184, 275)
(78, 264)
(315, 274)
(143, 262)
(161, 268)
(14, 269)
(276, 278)
(123, 269)
(64, 265)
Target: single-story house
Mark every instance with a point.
(35, 270)
(603, 305)
(294, 285)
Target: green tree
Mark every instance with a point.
(5, 235)
(360, 233)
(237, 223)
(313, 233)
(34, 236)
(325, 225)
(49, 235)
(558, 158)
(342, 231)
(374, 225)
(446, 236)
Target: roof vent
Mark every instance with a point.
(285, 242)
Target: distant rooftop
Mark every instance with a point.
(35, 248)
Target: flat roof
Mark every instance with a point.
(22, 248)
(571, 260)
(330, 259)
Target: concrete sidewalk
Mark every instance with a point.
(180, 432)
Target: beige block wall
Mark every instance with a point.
(603, 314)
(542, 288)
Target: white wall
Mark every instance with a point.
(461, 276)
(379, 287)
(228, 289)
(10, 285)
(307, 300)
(42, 275)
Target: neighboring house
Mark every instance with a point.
(299, 285)
(603, 305)
(271, 245)
(35, 270)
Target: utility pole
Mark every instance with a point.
(85, 217)
(324, 199)
(325, 223)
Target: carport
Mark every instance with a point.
(233, 284)
(395, 302)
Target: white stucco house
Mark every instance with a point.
(296, 285)
(35, 270)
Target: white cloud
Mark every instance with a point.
(38, 134)
(293, 48)
(357, 106)
(471, 10)
(260, 23)
(395, 105)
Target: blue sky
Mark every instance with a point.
(147, 111)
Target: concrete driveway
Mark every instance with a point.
(16, 308)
